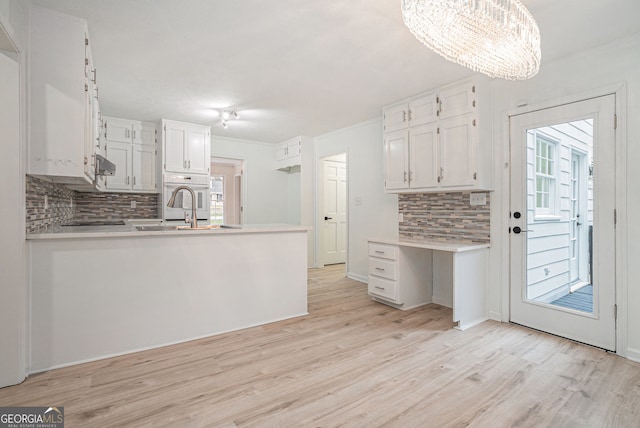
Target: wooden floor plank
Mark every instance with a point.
(350, 362)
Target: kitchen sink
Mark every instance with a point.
(155, 227)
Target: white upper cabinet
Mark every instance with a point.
(121, 155)
(186, 147)
(62, 93)
(289, 153)
(122, 130)
(413, 112)
(434, 143)
(131, 146)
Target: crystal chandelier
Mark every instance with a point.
(499, 38)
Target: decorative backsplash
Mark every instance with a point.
(65, 205)
(106, 206)
(59, 209)
(444, 217)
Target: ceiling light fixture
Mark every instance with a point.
(499, 38)
(227, 115)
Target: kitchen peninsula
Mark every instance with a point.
(113, 290)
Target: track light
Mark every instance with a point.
(227, 115)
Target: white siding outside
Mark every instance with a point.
(549, 236)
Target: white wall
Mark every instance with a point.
(371, 212)
(266, 190)
(602, 67)
(13, 281)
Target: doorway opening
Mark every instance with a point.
(226, 205)
(332, 213)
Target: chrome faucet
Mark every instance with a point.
(194, 203)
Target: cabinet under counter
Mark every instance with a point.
(405, 275)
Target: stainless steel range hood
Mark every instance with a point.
(104, 166)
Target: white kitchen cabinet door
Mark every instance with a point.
(117, 130)
(148, 134)
(458, 151)
(198, 149)
(396, 117)
(396, 157)
(91, 117)
(121, 155)
(144, 167)
(457, 100)
(423, 156)
(175, 143)
(423, 110)
(282, 151)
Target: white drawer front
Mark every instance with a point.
(382, 250)
(383, 268)
(383, 288)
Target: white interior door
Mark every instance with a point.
(335, 212)
(562, 192)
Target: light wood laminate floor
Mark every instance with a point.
(350, 362)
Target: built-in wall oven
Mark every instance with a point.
(183, 206)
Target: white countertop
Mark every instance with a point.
(453, 247)
(129, 230)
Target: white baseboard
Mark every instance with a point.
(357, 277)
(633, 355)
(496, 316)
(442, 302)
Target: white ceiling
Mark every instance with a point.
(291, 67)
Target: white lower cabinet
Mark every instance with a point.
(406, 275)
(396, 277)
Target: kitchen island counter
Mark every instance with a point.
(130, 229)
(101, 293)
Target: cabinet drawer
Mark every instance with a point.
(383, 251)
(384, 288)
(383, 268)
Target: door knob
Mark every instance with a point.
(328, 218)
(518, 229)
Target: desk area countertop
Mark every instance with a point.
(452, 247)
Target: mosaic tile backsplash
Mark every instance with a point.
(65, 205)
(60, 204)
(444, 217)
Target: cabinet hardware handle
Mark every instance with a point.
(97, 93)
(128, 179)
(410, 176)
(379, 288)
(410, 118)
(189, 164)
(184, 164)
(134, 134)
(405, 176)
(474, 122)
(379, 252)
(380, 269)
(134, 180)
(95, 77)
(404, 116)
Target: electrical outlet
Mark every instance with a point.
(46, 202)
(400, 217)
(133, 204)
(478, 199)
(358, 200)
(71, 202)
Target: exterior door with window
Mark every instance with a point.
(557, 284)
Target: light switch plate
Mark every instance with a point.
(358, 200)
(478, 199)
(133, 204)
